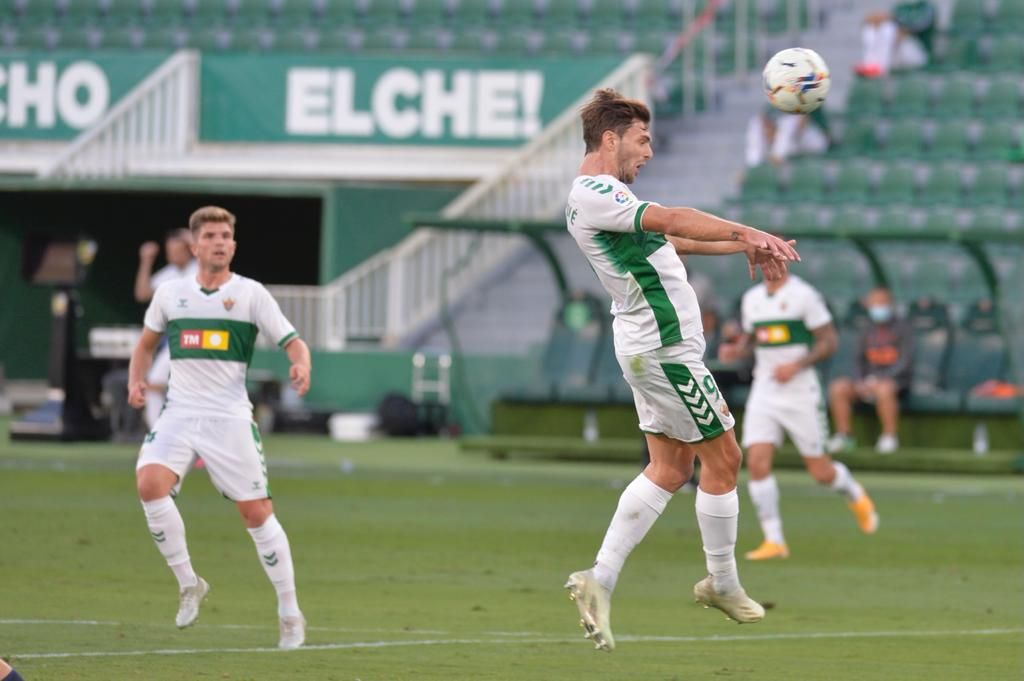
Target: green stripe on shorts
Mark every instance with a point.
(690, 392)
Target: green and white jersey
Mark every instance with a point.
(652, 301)
(211, 336)
(782, 324)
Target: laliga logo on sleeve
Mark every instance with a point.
(623, 198)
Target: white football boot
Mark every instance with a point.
(736, 605)
(595, 606)
(189, 600)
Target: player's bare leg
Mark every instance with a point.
(639, 507)
(166, 527)
(276, 558)
(718, 512)
(764, 493)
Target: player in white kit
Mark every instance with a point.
(633, 247)
(211, 321)
(790, 330)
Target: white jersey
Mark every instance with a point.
(782, 325)
(171, 272)
(211, 335)
(653, 304)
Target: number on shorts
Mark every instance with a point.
(709, 385)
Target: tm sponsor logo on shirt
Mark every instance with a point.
(199, 339)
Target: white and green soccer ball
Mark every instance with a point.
(796, 80)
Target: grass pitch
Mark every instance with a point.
(416, 562)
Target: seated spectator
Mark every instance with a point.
(775, 136)
(897, 40)
(882, 372)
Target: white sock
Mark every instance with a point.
(845, 484)
(639, 506)
(276, 559)
(765, 495)
(718, 515)
(168, 531)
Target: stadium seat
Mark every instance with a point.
(805, 218)
(165, 14)
(1002, 98)
(84, 37)
(852, 184)
(558, 14)
(955, 53)
(1009, 17)
(942, 220)
(957, 98)
(611, 41)
(254, 39)
(430, 13)
(990, 186)
(930, 322)
(80, 13)
(656, 13)
(206, 14)
(1003, 53)
(515, 14)
(298, 39)
(341, 14)
(39, 13)
(858, 138)
(911, 96)
(606, 13)
(948, 140)
(385, 14)
(761, 216)
(942, 187)
(760, 184)
(969, 16)
(996, 140)
(253, 13)
(988, 218)
(895, 218)
(851, 219)
(472, 13)
(295, 13)
(131, 37)
(474, 41)
(565, 41)
(806, 182)
(119, 13)
(897, 185)
(902, 141)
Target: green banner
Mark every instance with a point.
(460, 102)
(56, 95)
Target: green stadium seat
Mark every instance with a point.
(957, 99)
(996, 140)
(429, 13)
(969, 16)
(79, 13)
(806, 182)
(385, 13)
(516, 14)
(760, 184)
(1004, 54)
(911, 97)
(253, 13)
(896, 218)
(472, 13)
(205, 15)
(902, 141)
(990, 186)
(39, 13)
(566, 42)
(850, 219)
(126, 37)
(942, 187)
(958, 52)
(211, 39)
(340, 40)
(607, 13)
(1009, 17)
(760, 216)
(559, 14)
(295, 13)
(852, 184)
(428, 39)
(254, 39)
(805, 218)
(949, 140)
(169, 38)
(656, 14)
(1002, 99)
(297, 39)
(474, 41)
(165, 14)
(943, 220)
(611, 41)
(382, 39)
(341, 14)
(858, 138)
(123, 12)
(520, 41)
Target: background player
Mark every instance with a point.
(788, 322)
(633, 247)
(211, 322)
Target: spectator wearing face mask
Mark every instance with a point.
(882, 374)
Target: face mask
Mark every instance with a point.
(880, 314)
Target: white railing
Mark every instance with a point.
(155, 120)
(394, 293)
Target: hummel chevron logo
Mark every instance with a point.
(700, 412)
(271, 559)
(159, 537)
(690, 392)
(707, 419)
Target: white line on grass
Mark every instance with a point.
(534, 641)
(81, 623)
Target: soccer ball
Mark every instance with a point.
(796, 80)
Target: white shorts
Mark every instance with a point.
(675, 394)
(799, 413)
(232, 451)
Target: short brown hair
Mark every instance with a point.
(609, 110)
(210, 214)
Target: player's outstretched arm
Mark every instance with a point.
(302, 365)
(690, 223)
(138, 367)
(771, 266)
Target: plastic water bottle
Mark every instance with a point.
(980, 439)
(590, 430)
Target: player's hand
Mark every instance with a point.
(137, 394)
(299, 374)
(149, 250)
(784, 372)
(772, 267)
(762, 241)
